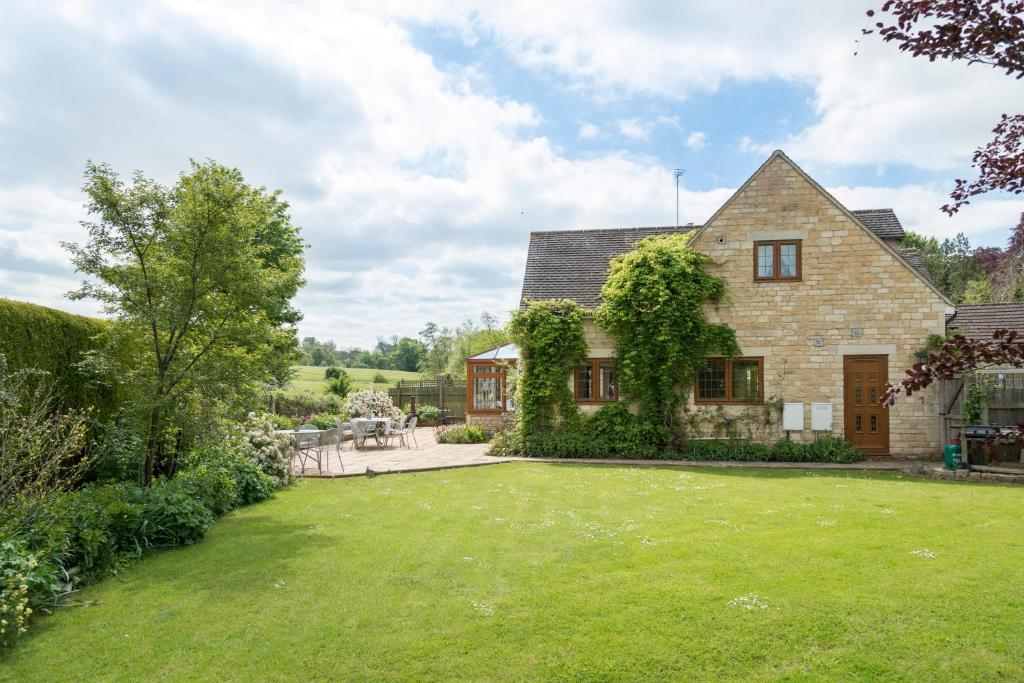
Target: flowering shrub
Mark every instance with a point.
(368, 401)
(460, 434)
(24, 582)
(272, 452)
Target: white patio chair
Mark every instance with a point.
(397, 429)
(410, 431)
(343, 427)
(328, 438)
(307, 446)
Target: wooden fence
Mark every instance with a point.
(444, 392)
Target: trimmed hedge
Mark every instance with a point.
(44, 338)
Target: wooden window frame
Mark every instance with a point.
(777, 262)
(595, 387)
(501, 375)
(728, 383)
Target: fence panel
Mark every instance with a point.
(447, 394)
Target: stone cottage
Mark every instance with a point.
(826, 305)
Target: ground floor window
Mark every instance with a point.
(731, 380)
(595, 381)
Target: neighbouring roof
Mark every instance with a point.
(573, 264)
(503, 352)
(916, 261)
(882, 222)
(979, 321)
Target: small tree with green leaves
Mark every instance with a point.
(199, 279)
(551, 345)
(653, 306)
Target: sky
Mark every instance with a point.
(419, 143)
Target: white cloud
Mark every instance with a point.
(876, 106)
(417, 184)
(634, 129)
(588, 131)
(696, 140)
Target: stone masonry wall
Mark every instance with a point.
(849, 280)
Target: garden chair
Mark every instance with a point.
(344, 432)
(328, 438)
(307, 446)
(409, 431)
(397, 430)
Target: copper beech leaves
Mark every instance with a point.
(987, 32)
(960, 356)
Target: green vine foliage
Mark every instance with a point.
(550, 339)
(653, 306)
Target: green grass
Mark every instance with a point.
(527, 571)
(311, 378)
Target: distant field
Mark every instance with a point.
(311, 378)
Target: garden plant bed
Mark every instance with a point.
(533, 571)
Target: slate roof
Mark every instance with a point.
(979, 321)
(882, 222)
(913, 257)
(573, 264)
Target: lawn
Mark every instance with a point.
(311, 378)
(528, 571)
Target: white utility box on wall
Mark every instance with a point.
(792, 417)
(821, 417)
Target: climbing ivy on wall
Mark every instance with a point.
(653, 306)
(551, 344)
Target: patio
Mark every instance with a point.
(429, 456)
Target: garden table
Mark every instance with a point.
(378, 425)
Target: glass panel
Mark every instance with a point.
(607, 379)
(873, 393)
(711, 380)
(486, 393)
(745, 380)
(787, 260)
(584, 383)
(874, 423)
(856, 396)
(766, 260)
(857, 423)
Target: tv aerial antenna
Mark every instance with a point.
(677, 173)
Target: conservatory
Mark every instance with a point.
(487, 396)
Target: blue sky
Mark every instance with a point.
(419, 143)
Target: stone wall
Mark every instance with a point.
(489, 422)
(850, 280)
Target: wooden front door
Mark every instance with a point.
(867, 422)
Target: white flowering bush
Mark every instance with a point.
(24, 582)
(272, 452)
(367, 401)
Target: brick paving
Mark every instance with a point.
(430, 455)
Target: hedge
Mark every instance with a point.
(34, 336)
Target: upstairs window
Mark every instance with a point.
(777, 260)
(731, 380)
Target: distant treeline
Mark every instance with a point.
(437, 351)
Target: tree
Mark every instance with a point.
(951, 263)
(408, 354)
(978, 292)
(340, 383)
(199, 279)
(979, 32)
